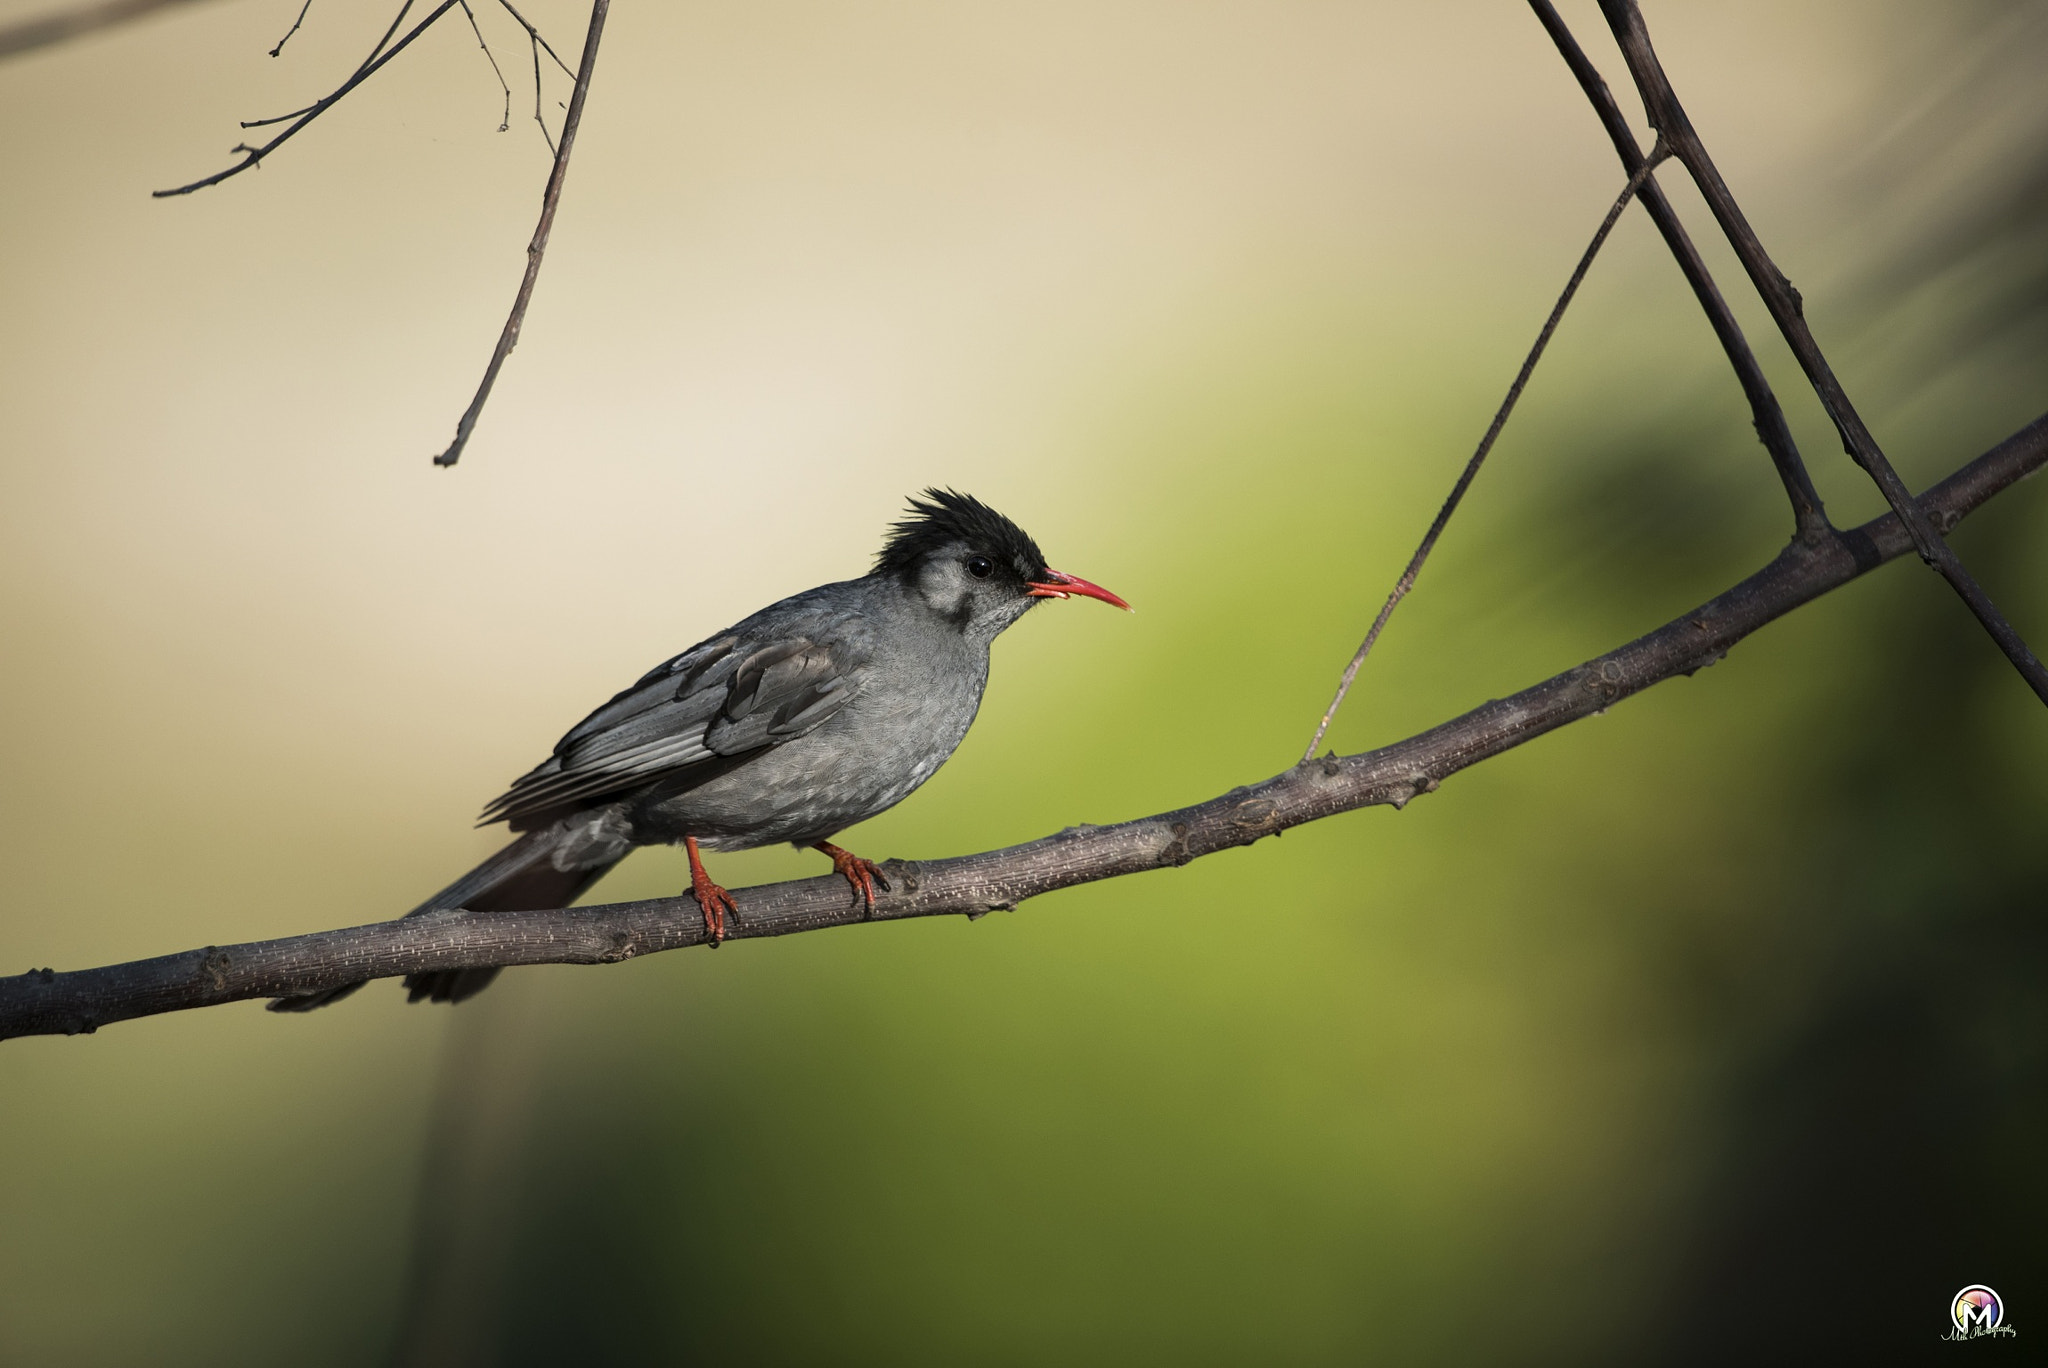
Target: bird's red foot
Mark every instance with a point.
(714, 901)
(864, 875)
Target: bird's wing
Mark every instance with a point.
(778, 693)
(725, 697)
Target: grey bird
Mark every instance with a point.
(812, 715)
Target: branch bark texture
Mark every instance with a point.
(45, 1002)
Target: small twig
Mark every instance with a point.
(505, 119)
(509, 337)
(1500, 418)
(254, 155)
(47, 1002)
(290, 31)
(278, 118)
(534, 35)
(535, 42)
(1668, 117)
(384, 38)
(1808, 516)
(47, 29)
(539, 120)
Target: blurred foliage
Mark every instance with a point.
(1713, 1027)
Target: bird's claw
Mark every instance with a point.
(716, 903)
(864, 875)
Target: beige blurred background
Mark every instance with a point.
(1212, 298)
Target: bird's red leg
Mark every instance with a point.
(864, 875)
(715, 901)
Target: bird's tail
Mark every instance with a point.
(527, 875)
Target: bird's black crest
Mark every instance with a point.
(941, 517)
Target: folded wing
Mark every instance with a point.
(721, 699)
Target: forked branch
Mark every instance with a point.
(378, 59)
(1787, 310)
(1809, 518)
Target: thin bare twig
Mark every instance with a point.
(382, 39)
(539, 119)
(505, 119)
(534, 35)
(1808, 516)
(45, 1002)
(535, 42)
(1507, 406)
(278, 118)
(46, 30)
(390, 29)
(369, 68)
(1668, 117)
(290, 31)
(509, 337)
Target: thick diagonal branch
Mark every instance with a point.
(44, 1002)
(1668, 117)
(1771, 429)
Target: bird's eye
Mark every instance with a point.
(981, 567)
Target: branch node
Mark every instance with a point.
(1254, 812)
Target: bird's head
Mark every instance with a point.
(972, 565)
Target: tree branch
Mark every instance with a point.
(373, 64)
(44, 1002)
(1809, 518)
(509, 337)
(1668, 117)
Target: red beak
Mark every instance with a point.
(1057, 585)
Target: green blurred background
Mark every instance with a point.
(1710, 1030)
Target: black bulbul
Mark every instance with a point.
(813, 714)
